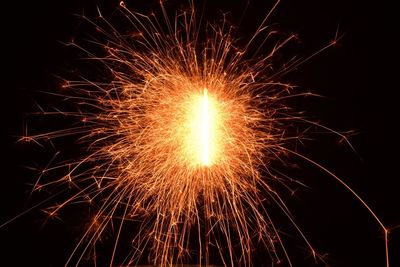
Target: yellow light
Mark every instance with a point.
(205, 127)
(201, 144)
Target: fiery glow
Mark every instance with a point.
(180, 137)
(204, 118)
(203, 141)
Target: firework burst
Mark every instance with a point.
(179, 141)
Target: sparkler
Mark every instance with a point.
(181, 139)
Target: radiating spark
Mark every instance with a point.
(181, 137)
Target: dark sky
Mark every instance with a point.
(358, 77)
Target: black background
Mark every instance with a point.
(359, 78)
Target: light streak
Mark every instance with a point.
(203, 122)
(205, 129)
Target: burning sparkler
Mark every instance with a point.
(180, 139)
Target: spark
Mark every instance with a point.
(181, 137)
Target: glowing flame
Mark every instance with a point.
(205, 128)
(201, 141)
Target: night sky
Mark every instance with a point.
(358, 79)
